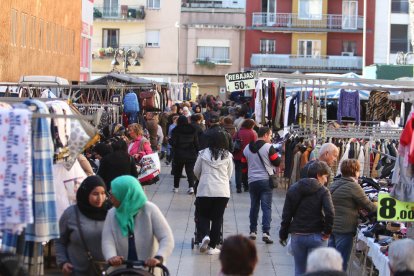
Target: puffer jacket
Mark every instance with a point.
(347, 198)
(308, 209)
(214, 174)
(184, 142)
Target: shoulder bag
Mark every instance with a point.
(237, 142)
(273, 179)
(95, 267)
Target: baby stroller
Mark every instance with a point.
(196, 240)
(135, 268)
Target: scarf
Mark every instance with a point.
(128, 191)
(82, 198)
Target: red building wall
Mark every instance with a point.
(334, 47)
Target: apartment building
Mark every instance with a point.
(144, 33)
(212, 38)
(309, 35)
(40, 38)
(392, 33)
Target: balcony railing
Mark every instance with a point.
(292, 61)
(322, 21)
(203, 61)
(122, 12)
(212, 4)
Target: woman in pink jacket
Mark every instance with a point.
(140, 145)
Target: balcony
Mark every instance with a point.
(318, 23)
(212, 4)
(119, 13)
(287, 63)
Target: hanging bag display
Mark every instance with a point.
(237, 142)
(147, 100)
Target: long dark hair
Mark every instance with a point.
(219, 145)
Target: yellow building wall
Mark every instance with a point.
(40, 37)
(309, 36)
(295, 6)
(305, 23)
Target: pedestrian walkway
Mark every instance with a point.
(178, 208)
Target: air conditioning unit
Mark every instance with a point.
(347, 54)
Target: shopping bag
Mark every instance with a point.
(289, 246)
(150, 168)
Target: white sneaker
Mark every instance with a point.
(175, 190)
(213, 251)
(190, 191)
(252, 235)
(204, 244)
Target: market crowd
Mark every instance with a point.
(209, 140)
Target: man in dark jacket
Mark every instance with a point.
(308, 214)
(184, 142)
(209, 133)
(259, 159)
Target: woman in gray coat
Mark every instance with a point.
(347, 197)
(91, 209)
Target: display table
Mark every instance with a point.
(379, 260)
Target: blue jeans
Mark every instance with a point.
(343, 243)
(302, 245)
(238, 174)
(260, 195)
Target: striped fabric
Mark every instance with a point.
(45, 226)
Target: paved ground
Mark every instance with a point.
(179, 209)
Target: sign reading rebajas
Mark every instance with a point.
(240, 81)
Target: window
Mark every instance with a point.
(48, 36)
(310, 9)
(110, 8)
(32, 32)
(399, 38)
(13, 31)
(349, 46)
(41, 34)
(399, 6)
(23, 33)
(349, 14)
(309, 48)
(152, 39)
(214, 54)
(153, 4)
(110, 38)
(267, 46)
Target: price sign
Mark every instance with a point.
(392, 209)
(240, 81)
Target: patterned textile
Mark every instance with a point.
(379, 106)
(45, 226)
(15, 169)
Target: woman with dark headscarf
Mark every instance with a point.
(214, 167)
(135, 229)
(90, 210)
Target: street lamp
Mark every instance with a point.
(125, 55)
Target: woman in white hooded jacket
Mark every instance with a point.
(213, 168)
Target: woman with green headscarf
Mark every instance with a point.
(135, 229)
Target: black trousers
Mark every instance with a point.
(211, 209)
(178, 169)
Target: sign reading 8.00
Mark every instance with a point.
(391, 209)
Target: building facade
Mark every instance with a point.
(212, 38)
(144, 29)
(40, 37)
(86, 40)
(317, 36)
(392, 33)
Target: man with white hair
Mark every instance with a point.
(324, 261)
(328, 153)
(401, 257)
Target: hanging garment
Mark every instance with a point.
(16, 191)
(257, 102)
(361, 159)
(349, 105)
(45, 226)
(379, 106)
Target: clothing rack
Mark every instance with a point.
(39, 115)
(383, 154)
